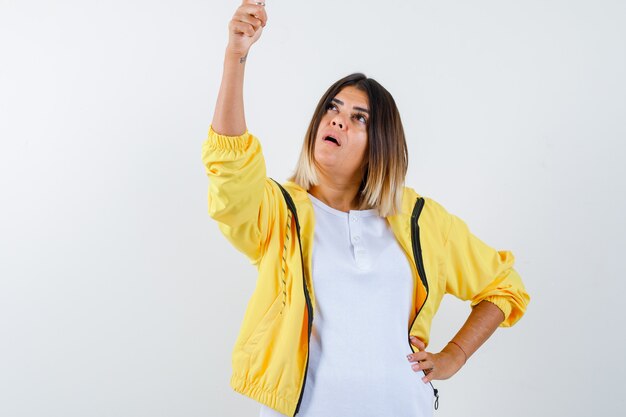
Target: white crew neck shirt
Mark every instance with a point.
(359, 341)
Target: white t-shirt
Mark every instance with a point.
(359, 341)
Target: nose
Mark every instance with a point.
(338, 121)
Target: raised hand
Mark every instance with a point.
(246, 26)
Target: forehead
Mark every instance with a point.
(353, 97)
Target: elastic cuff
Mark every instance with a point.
(218, 141)
(501, 302)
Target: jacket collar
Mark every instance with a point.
(400, 224)
(300, 197)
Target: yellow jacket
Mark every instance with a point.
(270, 356)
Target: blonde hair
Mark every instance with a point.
(386, 161)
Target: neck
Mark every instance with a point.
(338, 194)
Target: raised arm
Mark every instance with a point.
(241, 198)
(244, 29)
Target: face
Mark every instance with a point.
(345, 120)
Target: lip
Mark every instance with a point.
(334, 135)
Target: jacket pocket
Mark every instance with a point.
(269, 318)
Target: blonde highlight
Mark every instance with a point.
(386, 161)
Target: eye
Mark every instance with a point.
(361, 116)
(330, 106)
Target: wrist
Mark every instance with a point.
(236, 54)
(457, 351)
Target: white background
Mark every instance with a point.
(118, 294)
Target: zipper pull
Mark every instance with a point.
(436, 396)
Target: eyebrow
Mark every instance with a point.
(355, 107)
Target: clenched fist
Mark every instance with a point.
(246, 26)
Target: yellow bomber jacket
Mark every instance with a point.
(270, 356)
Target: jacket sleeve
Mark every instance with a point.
(475, 271)
(240, 195)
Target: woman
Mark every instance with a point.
(352, 264)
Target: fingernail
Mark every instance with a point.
(408, 357)
(415, 367)
(425, 380)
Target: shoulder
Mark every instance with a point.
(433, 213)
(297, 194)
(410, 196)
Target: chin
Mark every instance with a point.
(323, 159)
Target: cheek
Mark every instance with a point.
(363, 146)
(359, 154)
(324, 121)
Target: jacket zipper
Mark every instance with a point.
(417, 255)
(419, 262)
(292, 208)
(310, 321)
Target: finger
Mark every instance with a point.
(428, 377)
(260, 3)
(417, 342)
(423, 366)
(253, 10)
(246, 18)
(419, 356)
(241, 28)
(431, 373)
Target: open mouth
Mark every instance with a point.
(332, 139)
